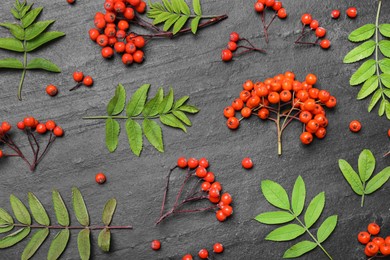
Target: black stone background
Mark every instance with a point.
(192, 66)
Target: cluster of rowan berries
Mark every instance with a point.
(204, 253)
(111, 30)
(320, 32)
(232, 46)
(78, 76)
(41, 128)
(209, 185)
(276, 6)
(377, 246)
(260, 99)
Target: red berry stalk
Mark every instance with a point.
(205, 188)
(28, 126)
(314, 25)
(282, 99)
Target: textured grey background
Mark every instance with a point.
(192, 66)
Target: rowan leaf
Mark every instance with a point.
(275, 217)
(60, 209)
(108, 211)
(37, 210)
(275, 194)
(286, 233)
(362, 33)
(40, 63)
(42, 39)
(351, 176)
(112, 134)
(31, 16)
(314, 210)
(153, 133)
(365, 71)
(362, 51)
(14, 238)
(36, 29)
(134, 135)
(374, 100)
(182, 117)
(137, 101)
(384, 29)
(172, 121)
(35, 242)
(167, 102)
(179, 24)
(58, 245)
(20, 211)
(84, 244)
(16, 30)
(11, 63)
(377, 181)
(197, 7)
(195, 24)
(152, 106)
(384, 46)
(79, 207)
(298, 196)
(11, 44)
(366, 165)
(368, 87)
(326, 229)
(299, 249)
(104, 240)
(117, 103)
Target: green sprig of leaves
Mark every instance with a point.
(176, 13)
(374, 73)
(277, 196)
(60, 241)
(29, 35)
(361, 183)
(169, 111)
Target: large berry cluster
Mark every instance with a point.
(111, 30)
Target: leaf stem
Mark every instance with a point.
(377, 48)
(24, 72)
(362, 203)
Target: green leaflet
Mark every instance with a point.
(40, 63)
(14, 238)
(275, 217)
(384, 46)
(137, 101)
(326, 228)
(36, 29)
(152, 106)
(15, 29)
(11, 44)
(275, 194)
(37, 210)
(314, 210)
(134, 135)
(366, 165)
(197, 7)
(104, 240)
(385, 79)
(5, 217)
(378, 181)
(179, 24)
(384, 65)
(42, 39)
(172, 121)
(117, 103)
(189, 109)
(382, 107)
(167, 103)
(58, 245)
(351, 176)
(365, 71)
(35, 242)
(368, 87)
(385, 29)
(80, 210)
(374, 100)
(60, 209)
(153, 133)
(108, 211)
(195, 24)
(362, 33)
(84, 244)
(31, 16)
(286, 233)
(298, 196)
(363, 51)
(112, 133)
(20, 211)
(11, 63)
(182, 117)
(299, 249)
(180, 102)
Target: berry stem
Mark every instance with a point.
(166, 190)
(264, 26)
(273, 18)
(52, 138)
(252, 48)
(78, 85)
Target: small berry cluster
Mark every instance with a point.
(209, 190)
(314, 25)
(276, 6)
(111, 30)
(234, 38)
(78, 76)
(28, 126)
(377, 246)
(287, 98)
(204, 253)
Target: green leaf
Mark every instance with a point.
(117, 103)
(58, 245)
(20, 211)
(80, 210)
(385, 79)
(108, 211)
(137, 101)
(112, 133)
(15, 14)
(182, 117)
(11, 44)
(362, 33)
(365, 71)
(178, 103)
(104, 240)
(189, 109)
(11, 63)
(35, 242)
(168, 5)
(387, 92)
(351, 176)
(326, 229)
(286, 233)
(385, 29)
(151, 107)
(42, 39)
(14, 238)
(298, 196)
(40, 63)
(314, 210)
(134, 135)
(30, 17)
(374, 100)
(366, 164)
(171, 120)
(384, 46)
(195, 24)
(36, 29)
(382, 107)
(5, 217)
(387, 105)
(275, 194)
(162, 17)
(166, 103)
(361, 52)
(377, 181)
(368, 87)
(197, 7)
(153, 133)
(25, 9)
(184, 8)
(37, 210)
(275, 217)
(176, 6)
(15, 29)
(179, 24)
(60, 209)
(299, 249)
(384, 65)
(168, 24)
(84, 244)
(6, 228)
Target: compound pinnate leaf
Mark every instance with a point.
(384, 46)
(153, 133)
(37, 210)
(36, 29)
(172, 121)
(11, 63)
(362, 33)
(84, 244)
(286, 233)
(377, 181)
(104, 240)
(314, 210)
(58, 245)
(326, 228)
(366, 165)
(79, 207)
(298, 196)
(112, 134)
(275, 194)
(5, 217)
(117, 103)
(20, 211)
(108, 211)
(30, 17)
(137, 101)
(42, 39)
(197, 7)
(35, 242)
(14, 238)
(11, 44)
(275, 217)
(363, 51)
(365, 71)
(351, 176)
(134, 135)
(60, 209)
(385, 29)
(299, 249)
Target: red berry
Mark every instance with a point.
(232, 46)
(203, 162)
(21, 125)
(210, 177)
(1, 154)
(371, 249)
(203, 254)
(220, 216)
(93, 34)
(138, 56)
(364, 237)
(129, 13)
(227, 210)
(335, 14)
(213, 192)
(100, 178)
(234, 37)
(102, 40)
(259, 7)
(5, 126)
(141, 7)
(282, 13)
(269, 3)
(156, 245)
(107, 52)
(78, 76)
(226, 55)
(201, 172)
(325, 44)
(373, 229)
(120, 47)
(218, 248)
(29, 121)
(51, 90)
(187, 257)
(41, 129)
(314, 24)
(109, 5)
(205, 186)
(134, 2)
(385, 249)
(306, 19)
(130, 48)
(320, 32)
(70, 1)
(378, 240)
(355, 126)
(110, 17)
(233, 123)
(50, 125)
(139, 42)
(88, 81)
(351, 12)
(127, 59)
(57, 131)
(247, 163)
(182, 162)
(193, 163)
(226, 198)
(119, 7)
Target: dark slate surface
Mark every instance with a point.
(192, 65)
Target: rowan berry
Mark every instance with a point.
(233, 123)
(210, 177)
(112, 41)
(139, 42)
(120, 35)
(232, 46)
(187, 257)
(373, 229)
(107, 52)
(127, 59)
(110, 31)
(273, 97)
(138, 56)
(205, 186)
(5, 126)
(285, 95)
(109, 5)
(313, 93)
(201, 172)
(220, 216)
(217, 248)
(282, 13)
(214, 200)
(259, 7)
(364, 237)
(246, 112)
(129, 13)
(248, 85)
(262, 91)
(303, 95)
(335, 14)
(355, 126)
(134, 2)
(323, 96)
(263, 113)
(306, 138)
(305, 117)
(57, 131)
(156, 245)
(110, 17)
(312, 126)
(314, 24)
(351, 12)
(385, 249)
(227, 210)
(309, 104)
(311, 78)
(234, 37)
(192, 163)
(269, 3)
(41, 129)
(247, 163)
(70, 1)
(226, 198)
(245, 95)
(29, 121)
(387, 240)
(378, 241)
(217, 185)
(100, 23)
(320, 133)
(88, 81)
(277, 5)
(320, 32)
(120, 47)
(372, 248)
(141, 7)
(130, 48)
(50, 125)
(325, 44)
(203, 162)
(21, 125)
(100, 178)
(182, 162)
(93, 34)
(331, 102)
(306, 19)
(119, 7)
(102, 40)
(226, 55)
(78, 76)
(229, 112)
(213, 192)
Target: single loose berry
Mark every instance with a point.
(182, 162)
(232, 123)
(351, 12)
(88, 81)
(325, 44)
(51, 90)
(187, 257)
(100, 178)
(364, 237)
(247, 163)
(156, 245)
(217, 248)
(306, 19)
(57, 131)
(193, 163)
(41, 128)
(234, 37)
(355, 126)
(335, 14)
(373, 229)
(226, 55)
